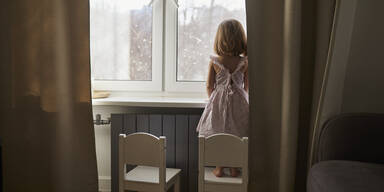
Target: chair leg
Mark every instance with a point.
(177, 184)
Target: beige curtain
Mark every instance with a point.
(45, 104)
(287, 44)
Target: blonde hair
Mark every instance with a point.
(230, 39)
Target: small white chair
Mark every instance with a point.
(226, 151)
(148, 153)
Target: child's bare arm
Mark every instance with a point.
(211, 79)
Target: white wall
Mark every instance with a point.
(364, 80)
(355, 80)
(334, 76)
(103, 144)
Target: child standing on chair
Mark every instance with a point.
(227, 86)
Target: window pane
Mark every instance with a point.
(198, 21)
(121, 39)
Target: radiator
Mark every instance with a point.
(182, 142)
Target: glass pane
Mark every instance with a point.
(198, 21)
(121, 39)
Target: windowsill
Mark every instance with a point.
(152, 101)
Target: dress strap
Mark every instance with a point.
(215, 61)
(242, 62)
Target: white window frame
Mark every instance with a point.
(164, 57)
(171, 49)
(157, 57)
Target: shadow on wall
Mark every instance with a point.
(355, 76)
(364, 80)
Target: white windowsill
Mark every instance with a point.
(152, 101)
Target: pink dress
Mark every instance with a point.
(227, 110)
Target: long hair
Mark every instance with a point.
(230, 39)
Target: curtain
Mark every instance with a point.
(45, 104)
(288, 44)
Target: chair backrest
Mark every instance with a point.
(354, 137)
(142, 149)
(223, 150)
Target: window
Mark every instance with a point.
(198, 21)
(126, 44)
(155, 45)
(122, 40)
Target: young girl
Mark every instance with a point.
(227, 86)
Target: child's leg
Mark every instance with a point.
(234, 172)
(218, 171)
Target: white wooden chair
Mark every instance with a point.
(226, 151)
(148, 153)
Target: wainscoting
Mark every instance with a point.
(177, 125)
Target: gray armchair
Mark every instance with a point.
(350, 155)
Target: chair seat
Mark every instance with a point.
(337, 175)
(211, 178)
(147, 174)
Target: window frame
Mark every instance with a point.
(157, 57)
(164, 58)
(171, 50)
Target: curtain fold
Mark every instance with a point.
(287, 44)
(46, 111)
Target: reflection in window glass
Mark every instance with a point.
(198, 21)
(121, 39)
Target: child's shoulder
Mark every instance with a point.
(214, 58)
(245, 60)
(221, 59)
